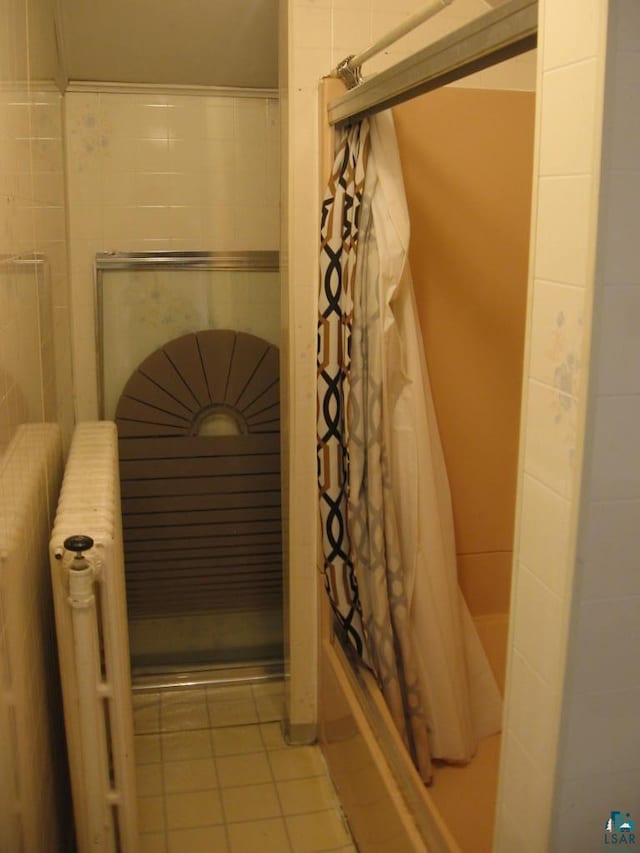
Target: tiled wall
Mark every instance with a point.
(314, 36)
(565, 206)
(35, 385)
(150, 172)
(599, 761)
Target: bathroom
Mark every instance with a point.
(570, 748)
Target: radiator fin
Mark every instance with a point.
(89, 504)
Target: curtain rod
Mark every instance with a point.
(504, 32)
(349, 68)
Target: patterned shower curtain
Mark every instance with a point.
(387, 524)
(339, 239)
(360, 535)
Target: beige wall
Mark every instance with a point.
(35, 386)
(159, 171)
(467, 166)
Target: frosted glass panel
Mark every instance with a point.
(186, 526)
(144, 309)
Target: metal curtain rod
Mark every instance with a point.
(349, 68)
(504, 32)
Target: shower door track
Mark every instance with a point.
(223, 675)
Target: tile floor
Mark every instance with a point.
(215, 776)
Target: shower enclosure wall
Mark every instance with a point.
(188, 368)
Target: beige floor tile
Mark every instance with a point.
(149, 780)
(193, 808)
(234, 740)
(153, 842)
(249, 769)
(251, 802)
(147, 749)
(180, 746)
(296, 762)
(299, 796)
(259, 836)
(311, 833)
(151, 814)
(268, 688)
(180, 695)
(145, 699)
(236, 712)
(183, 716)
(196, 774)
(146, 713)
(230, 693)
(272, 735)
(202, 839)
(270, 708)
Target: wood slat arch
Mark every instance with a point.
(201, 514)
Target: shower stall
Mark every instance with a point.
(465, 158)
(189, 370)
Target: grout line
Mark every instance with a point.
(162, 788)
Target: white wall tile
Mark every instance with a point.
(551, 436)
(526, 793)
(313, 27)
(545, 532)
(557, 335)
(568, 131)
(533, 712)
(538, 627)
(572, 31)
(563, 229)
(156, 172)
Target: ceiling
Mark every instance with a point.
(190, 42)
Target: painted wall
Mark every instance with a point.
(467, 165)
(158, 171)
(35, 386)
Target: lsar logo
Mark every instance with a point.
(618, 829)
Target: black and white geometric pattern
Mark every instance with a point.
(339, 240)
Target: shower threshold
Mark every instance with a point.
(207, 675)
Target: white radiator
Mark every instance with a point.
(32, 813)
(93, 644)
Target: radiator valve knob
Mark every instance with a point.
(78, 543)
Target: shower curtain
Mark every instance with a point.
(388, 542)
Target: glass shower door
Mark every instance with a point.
(202, 530)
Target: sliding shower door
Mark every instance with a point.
(188, 352)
